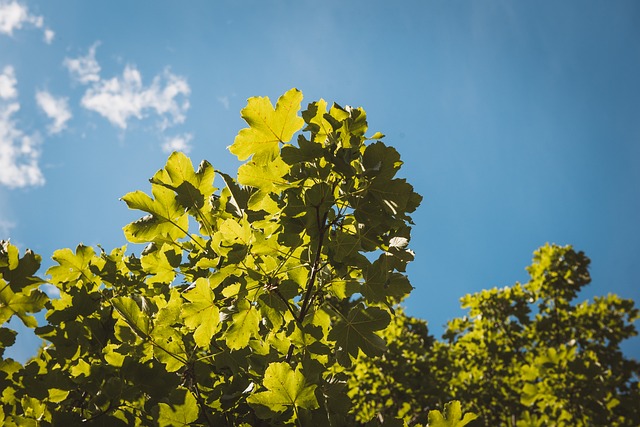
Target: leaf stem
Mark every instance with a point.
(314, 269)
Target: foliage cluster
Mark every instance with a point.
(527, 355)
(238, 310)
(273, 300)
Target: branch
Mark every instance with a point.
(314, 269)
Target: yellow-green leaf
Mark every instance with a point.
(285, 387)
(178, 415)
(201, 313)
(452, 416)
(244, 326)
(268, 126)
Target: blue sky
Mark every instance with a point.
(519, 122)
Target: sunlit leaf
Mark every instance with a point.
(268, 126)
(452, 416)
(201, 313)
(285, 388)
(130, 312)
(179, 414)
(20, 304)
(244, 325)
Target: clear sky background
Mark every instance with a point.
(519, 122)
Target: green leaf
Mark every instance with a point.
(19, 272)
(128, 309)
(159, 265)
(169, 348)
(317, 123)
(239, 195)
(7, 338)
(244, 325)
(530, 394)
(395, 196)
(308, 151)
(265, 177)
(177, 415)
(20, 304)
(377, 135)
(285, 388)
(166, 219)
(201, 313)
(380, 161)
(72, 267)
(192, 188)
(452, 417)
(380, 283)
(9, 255)
(357, 332)
(268, 126)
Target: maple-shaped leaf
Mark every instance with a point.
(71, 267)
(178, 415)
(192, 187)
(357, 332)
(19, 272)
(265, 177)
(380, 283)
(7, 339)
(131, 313)
(268, 127)
(159, 264)
(316, 121)
(20, 303)
(285, 388)
(452, 416)
(166, 218)
(245, 325)
(201, 313)
(169, 348)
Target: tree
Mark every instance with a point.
(526, 356)
(401, 383)
(234, 313)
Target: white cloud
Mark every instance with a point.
(48, 36)
(8, 83)
(178, 143)
(56, 109)
(14, 16)
(19, 153)
(5, 228)
(122, 98)
(84, 69)
(224, 100)
(52, 291)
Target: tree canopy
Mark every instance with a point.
(526, 355)
(230, 315)
(272, 298)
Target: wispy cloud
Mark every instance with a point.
(178, 143)
(5, 228)
(84, 69)
(19, 152)
(56, 109)
(224, 100)
(49, 35)
(8, 83)
(15, 16)
(122, 98)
